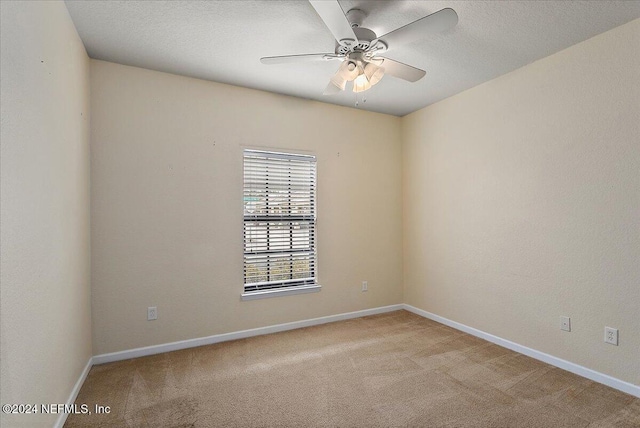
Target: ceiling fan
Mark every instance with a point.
(358, 47)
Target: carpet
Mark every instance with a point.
(390, 370)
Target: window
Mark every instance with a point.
(279, 224)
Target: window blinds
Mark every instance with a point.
(279, 220)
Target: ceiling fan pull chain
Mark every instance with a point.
(357, 102)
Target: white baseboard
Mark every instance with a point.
(618, 384)
(62, 417)
(192, 343)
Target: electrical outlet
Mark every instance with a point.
(365, 285)
(611, 335)
(152, 313)
(565, 323)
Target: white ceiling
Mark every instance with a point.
(224, 40)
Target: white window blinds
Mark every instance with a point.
(279, 220)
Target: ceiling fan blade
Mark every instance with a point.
(334, 18)
(434, 23)
(399, 70)
(287, 59)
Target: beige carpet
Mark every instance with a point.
(395, 369)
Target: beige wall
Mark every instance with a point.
(166, 197)
(45, 293)
(522, 204)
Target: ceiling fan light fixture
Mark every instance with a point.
(374, 73)
(332, 88)
(361, 83)
(348, 70)
(336, 84)
(339, 82)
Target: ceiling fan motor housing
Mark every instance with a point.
(367, 40)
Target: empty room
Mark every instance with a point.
(321, 213)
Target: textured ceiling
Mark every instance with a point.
(223, 41)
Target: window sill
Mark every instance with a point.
(254, 295)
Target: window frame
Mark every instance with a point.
(278, 287)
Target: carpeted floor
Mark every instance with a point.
(395, 369)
